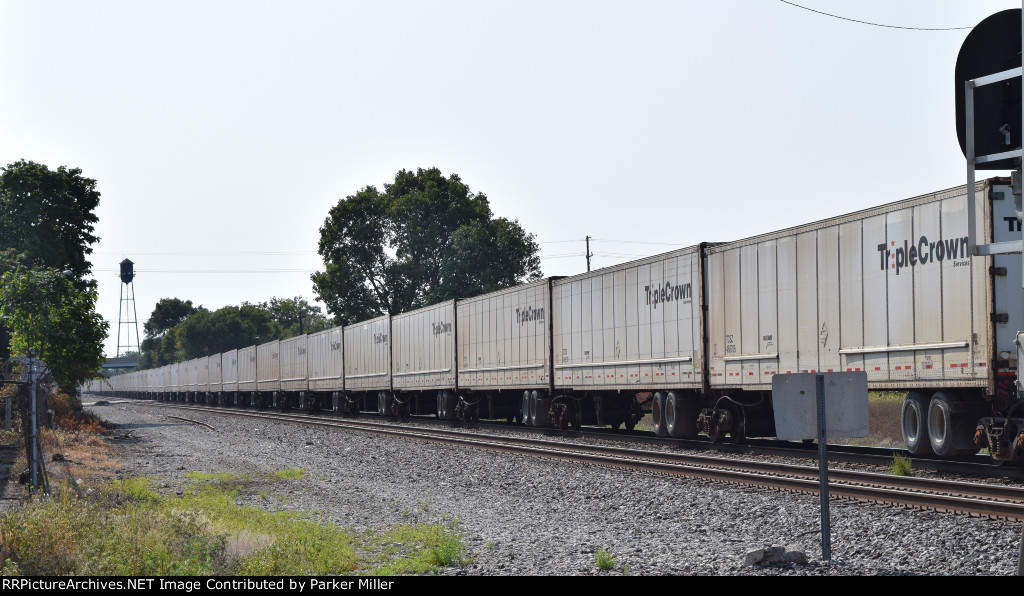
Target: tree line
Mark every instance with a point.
(178, 331)
(423, 239)
(47, 225)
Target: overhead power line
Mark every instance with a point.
(835, 16)
(583, 241)
(638, 242)
(262, 253)
(217, 271)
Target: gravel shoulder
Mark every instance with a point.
(530, 516)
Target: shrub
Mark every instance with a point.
(605, 561)
(901, 465)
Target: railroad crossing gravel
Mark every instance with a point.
(530, 516)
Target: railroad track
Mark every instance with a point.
(976, 499)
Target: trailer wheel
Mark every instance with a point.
(527, 409)
(914, 421)
(658, 415)
(443, 406)
(949, 431)
(540, 409)
(738, 432)
(680, 416)
(449, 403)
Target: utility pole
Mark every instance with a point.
(34, 425)
(589, 254)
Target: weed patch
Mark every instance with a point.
(295, 474)
(128, 528)
(418, 548)
(901, 465)
(604, 560)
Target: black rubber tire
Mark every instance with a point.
(576, 416)
(914, 422)
(658, 415)
(449, 404)
(540, 406)
(525, 409)
(680, 416)
(949, 431)
(738, 434)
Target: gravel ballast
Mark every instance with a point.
(531, 516)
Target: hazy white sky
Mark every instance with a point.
(221, 133)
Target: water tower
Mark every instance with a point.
(127, 307)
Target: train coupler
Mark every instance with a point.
(715, 422)
(1004, 438)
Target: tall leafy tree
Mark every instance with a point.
(228, 328)
(167, 313)
(49, 215)
(43, 309)
(160, 350)
(10, 260)
(425, 239)
(296, 316)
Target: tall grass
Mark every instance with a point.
(65, 535)
(901, 465)
(128, 528)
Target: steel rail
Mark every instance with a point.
(196, 422)
(986, 500)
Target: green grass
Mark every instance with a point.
(295, 474)
(884, 412)
(604, 560)
(206, 476)
(416, 549)
(135, 489)
(901, 465)
(127, 528)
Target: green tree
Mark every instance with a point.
(167, 313)
(43, 309)
(177, 331)
(425, 239)
(49, 216)
(229, 328)
(160, 350)
(296, 316)
(10, 260)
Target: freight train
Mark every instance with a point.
(694, 336)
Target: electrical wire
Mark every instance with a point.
(835, 16)
(215, 271)
(261, 253)
(639, 242)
